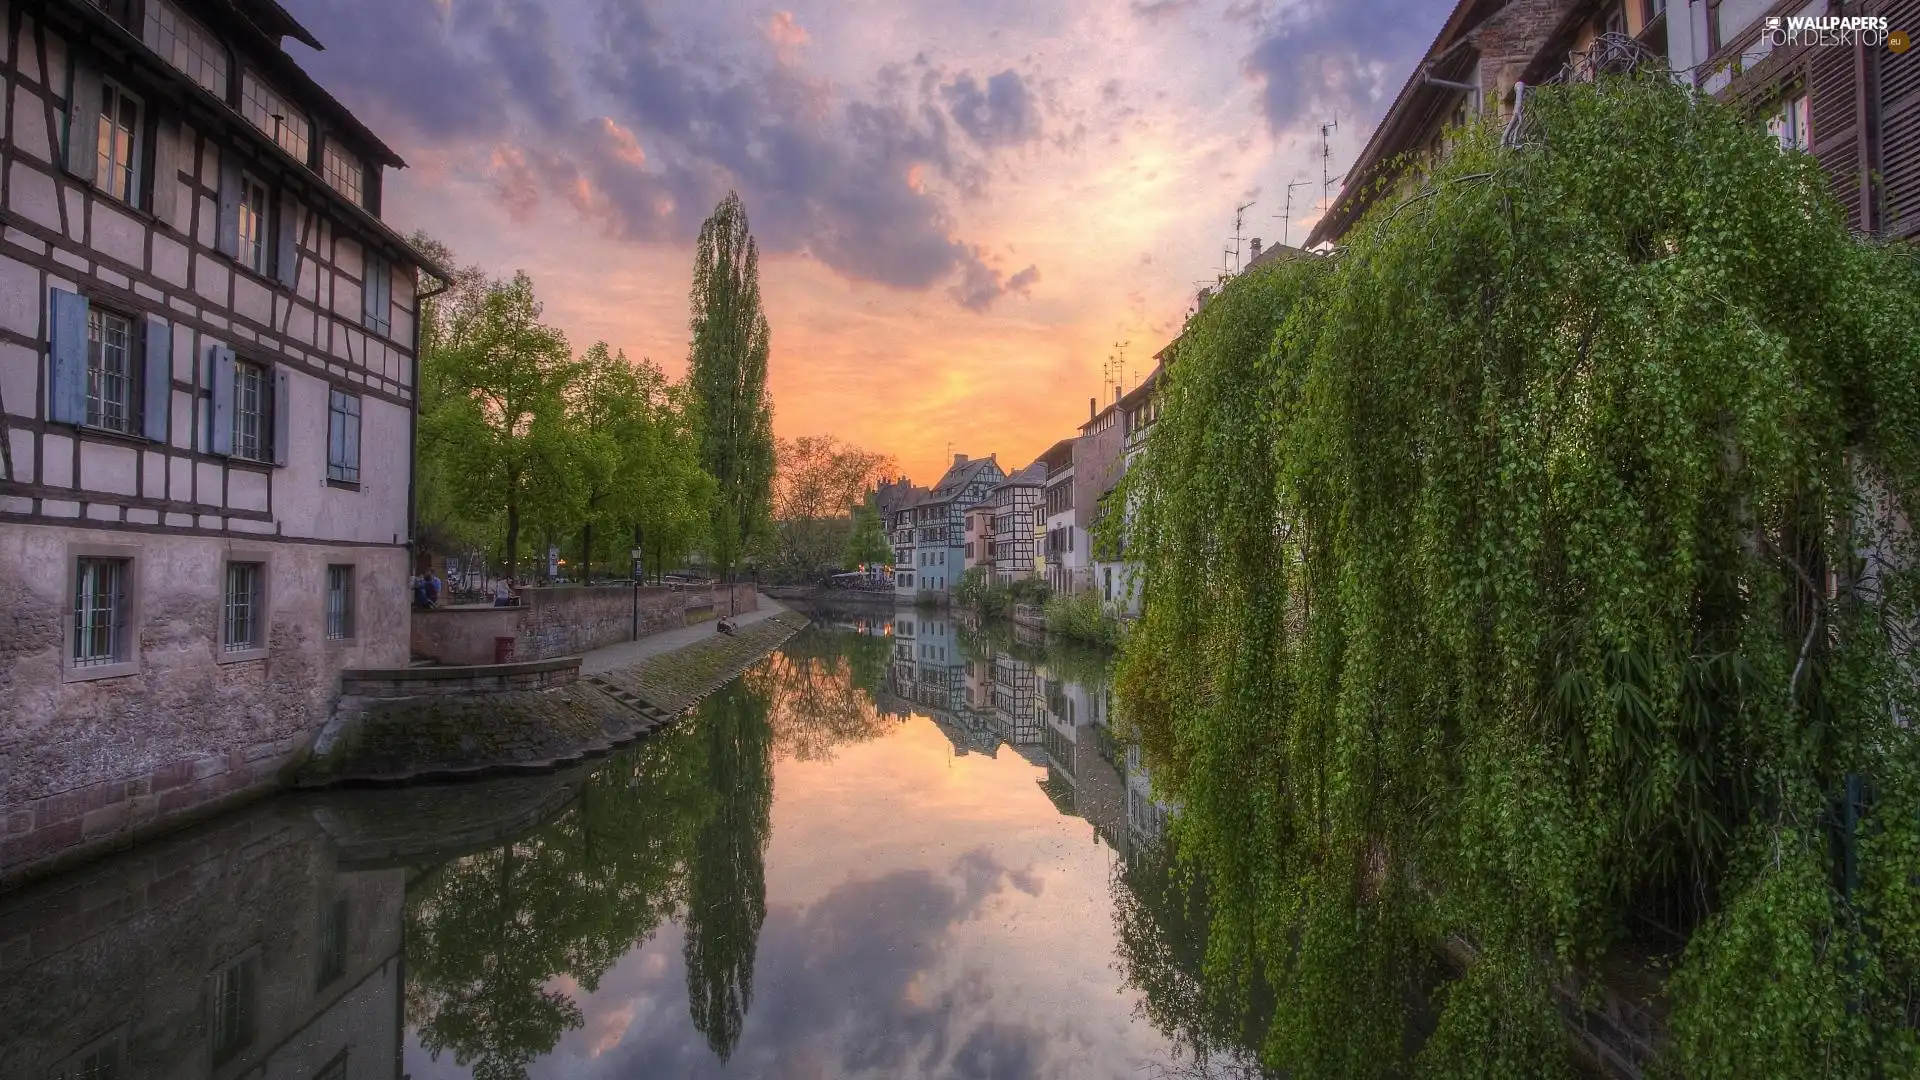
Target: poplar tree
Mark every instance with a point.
(727, 368)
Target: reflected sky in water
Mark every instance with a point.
(889, 850)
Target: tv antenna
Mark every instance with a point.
(1326, 159)
(1286, 216)
(1239, 218)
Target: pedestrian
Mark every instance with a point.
(503, 593)
(421, 600)
(433, 589)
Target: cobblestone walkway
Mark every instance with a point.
(628, 653)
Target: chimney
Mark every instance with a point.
(1116, 395)
(1256, 247)
(1093, 410)
(959, 460)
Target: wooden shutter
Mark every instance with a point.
(282, 421)
(1899, 116)
(157, 404)
(83, 118)
(1833, 79)
(221, 441)
(227, 239)
(352, 433)
(165, 201)
(286, 261)
(67, 358)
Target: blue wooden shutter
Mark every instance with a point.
(286, 263)
(282, 421)
(227, 238)
(353, 436)
(222, 420)
(67, 357)
(157, 405)
(83, 119)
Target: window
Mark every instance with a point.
(377, 295)
(244, 601)
(186, 45)
(230, 1011)
(343, 437)
(333, 937)
(118, 171)
(252, 252)
(273, 115)
(100, 613)
(252, 412)
(345, 173)
(1791, 123)
(339, 602)
(110, 398)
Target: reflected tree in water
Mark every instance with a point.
(726, 880)
(488, 935)
(822, 685)
(1160, 919)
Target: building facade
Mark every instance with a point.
(978, 550)
(206, 332)
(930, 541)
(1015, 507)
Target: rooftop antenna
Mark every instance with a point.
(1120, 362)
(1326, 157)
(1239, 217)
(1286, 216)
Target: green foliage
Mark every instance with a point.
(978, 592)
(1082, 616)
(517, 435)
(867, 543)
(820, 485)
(1485, 574)
(727, 369)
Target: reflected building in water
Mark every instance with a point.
(243, 950)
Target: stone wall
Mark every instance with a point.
(182, 729)
(412, 682)
(567, 621)
(116, 964)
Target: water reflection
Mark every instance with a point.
(898, 847)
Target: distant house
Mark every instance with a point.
(933, 556)
(1063, 552)
(978, 542)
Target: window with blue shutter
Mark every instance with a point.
(377, 294)
(343, 437)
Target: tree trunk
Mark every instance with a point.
(586, 553)
(513, 530)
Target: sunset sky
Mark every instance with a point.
(961, 207)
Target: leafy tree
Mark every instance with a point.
(727, 370)
(1534, 567)
(867, 543)
(819, 482)
(492, 420)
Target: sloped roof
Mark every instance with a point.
(1138, 396)
(964, 473)
(1056, 457)
(1034, 475)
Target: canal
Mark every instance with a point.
(896, 847)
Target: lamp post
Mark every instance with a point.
(637, 549)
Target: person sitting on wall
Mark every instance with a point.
(421, 601)
(433, 589)
(503, 594)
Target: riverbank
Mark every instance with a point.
(615, 695)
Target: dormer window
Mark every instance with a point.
(186, 45)
(265, 109)
(345, 173)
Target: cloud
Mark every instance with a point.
(851, 984)
(980, 285)
(1000, 114)
(848, 179)
(1158, 10)
(1326, 58)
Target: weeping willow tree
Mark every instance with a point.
(1533, 571)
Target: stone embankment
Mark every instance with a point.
(451, 723)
